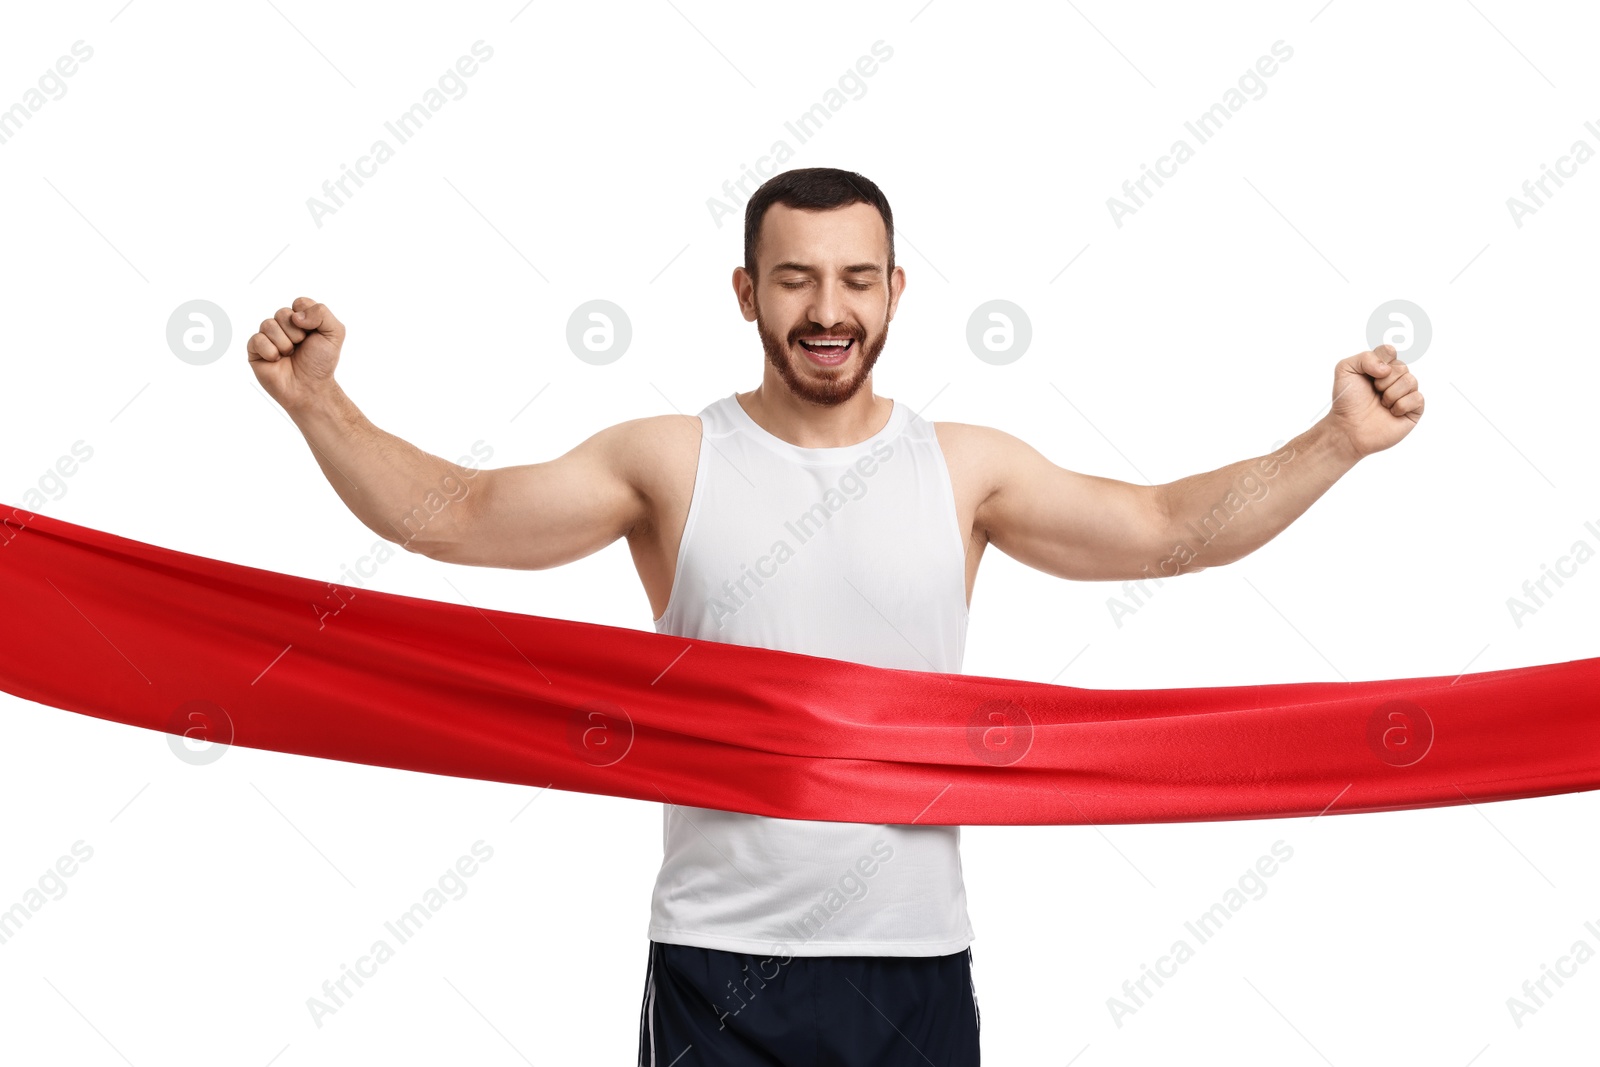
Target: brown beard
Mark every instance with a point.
(834, 390)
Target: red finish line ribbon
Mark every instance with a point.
(147, 636)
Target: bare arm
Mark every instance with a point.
(1100, 529)
(540, 515)
(1226, 514)
(1066, 524)
(533, 516)
(1223, 515)
(1080, 526)
(398, 491)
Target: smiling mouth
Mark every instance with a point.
(829, 351)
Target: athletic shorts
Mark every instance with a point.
(709, 1008)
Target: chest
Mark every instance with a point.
(876, 524)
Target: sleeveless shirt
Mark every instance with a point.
(853, 553)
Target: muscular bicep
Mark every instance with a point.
(1068, 524)
(540, 515)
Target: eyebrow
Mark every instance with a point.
(854, 268)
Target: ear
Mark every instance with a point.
(744, 292)
(897, 285)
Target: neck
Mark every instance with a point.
(809, 425)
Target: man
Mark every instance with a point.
(813, 516)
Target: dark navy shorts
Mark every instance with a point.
(709, 1008)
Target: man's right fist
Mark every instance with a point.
(296, 351)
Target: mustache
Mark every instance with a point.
(854, 334)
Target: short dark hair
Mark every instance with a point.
(815, 189)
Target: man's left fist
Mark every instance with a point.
(1375, 400)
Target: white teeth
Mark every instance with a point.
(836, 344)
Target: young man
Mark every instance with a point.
(811, 515)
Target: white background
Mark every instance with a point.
(578, 165)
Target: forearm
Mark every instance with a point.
(398, 491)
(1223, 515)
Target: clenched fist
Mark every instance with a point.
(296, 351)
(1376, 400)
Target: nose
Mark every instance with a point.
(826, 307)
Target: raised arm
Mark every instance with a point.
(1069, 525)
(531, 517)
(1223, 515)
(1098, 529)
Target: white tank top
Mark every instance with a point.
(853, 553)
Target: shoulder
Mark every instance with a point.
(656, 455)
(637, 436)
(976, 448)
(660, 429)
(978, 458)
(652, 434)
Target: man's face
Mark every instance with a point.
(822, 278)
